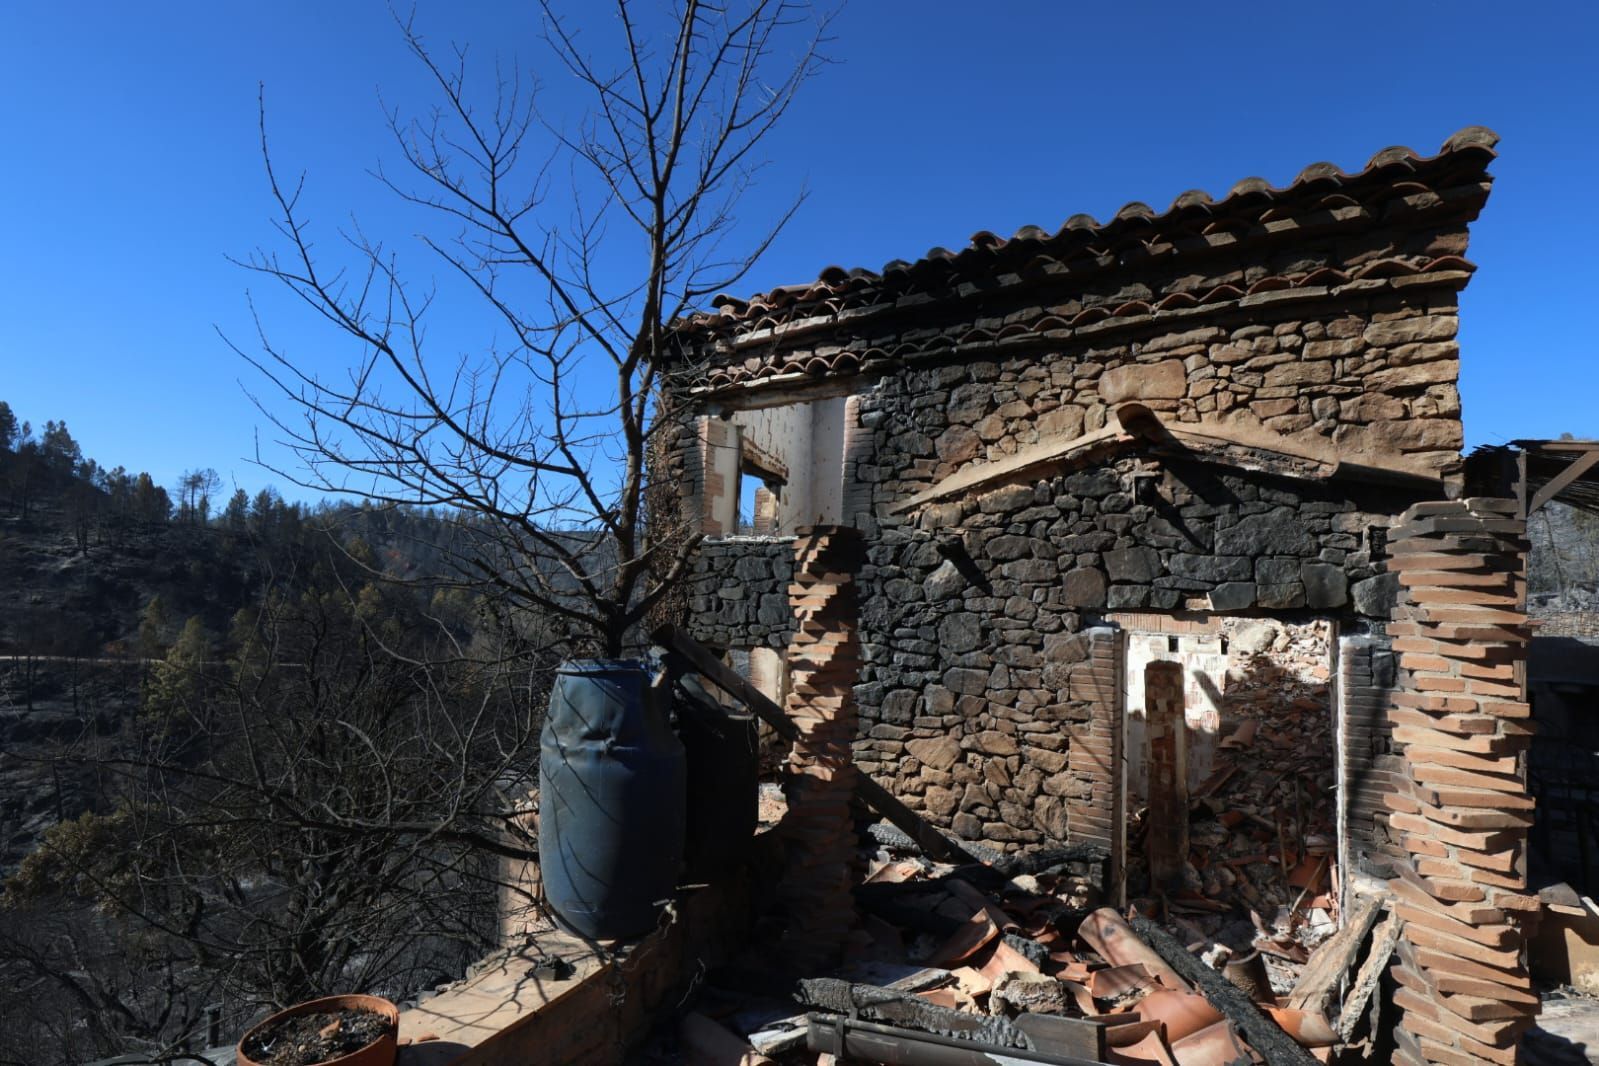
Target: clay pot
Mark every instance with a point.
(381, 1052)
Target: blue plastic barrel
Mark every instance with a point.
(611, 800)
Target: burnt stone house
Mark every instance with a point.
(1193, 436)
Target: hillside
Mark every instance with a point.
(100, 574)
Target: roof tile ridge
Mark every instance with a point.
(1079, 228)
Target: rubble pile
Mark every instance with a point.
(1263, 834)
(1015, 954)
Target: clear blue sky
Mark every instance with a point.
(132, 168)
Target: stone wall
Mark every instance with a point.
(981, 673)
(1290, 359)
(1373, 377)
(737, 592)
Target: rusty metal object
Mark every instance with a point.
(858, 1041)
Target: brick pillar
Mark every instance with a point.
(1168, 784)
(824, 665)
(1461, 809)
(765, 511)
(719, 460)
(1369, 772)
(858, 454)
(1094, 760)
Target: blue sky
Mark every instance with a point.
(132, 169)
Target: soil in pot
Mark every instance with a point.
(321, 1036)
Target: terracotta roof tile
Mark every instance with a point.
(1321, 194)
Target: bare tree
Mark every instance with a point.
(321, 811)
(583, 242)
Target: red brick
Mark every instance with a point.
(1472, 743)
(1427, 1019)
(1407, 560)
(1438, 964)
(1466, 616)
(1445, 704)
(1426, 937)
(1494, 689)
(1436, 663)
(1453, 983)
(1497, 935)
(1435, 683)
(1454, 1055)
(1456, 796)
(1505, 708)
(1486, 878)
(1417, 754)
(1503, 861)
(1465, 911)
(1423, 846)
(1482, 1009)
(1465, 725)
(1475, 841)
(1448, 775)
(1460, 577)
(1397, 801)
(1493, 672)
(1516, 901)
(1475, 597)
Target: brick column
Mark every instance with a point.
(824, 665)
(1366, 676)
(718, 461)
(1461, 808)
(1168, 785)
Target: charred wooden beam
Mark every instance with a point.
(1332, 961)
(1555, 485)
(857, 1041)
(1263, 1034)
(895, 1008)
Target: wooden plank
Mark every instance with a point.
(1328, 964)
(1369, 975)
(1263, 1034)
(935, 844)
(1556, 484)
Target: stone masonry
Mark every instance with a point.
(1220, 408)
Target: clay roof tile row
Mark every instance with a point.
(846, 360)
(1083, 242)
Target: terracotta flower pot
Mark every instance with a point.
(381, 1052)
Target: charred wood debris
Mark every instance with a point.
(1015, 959)
(957, 954)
